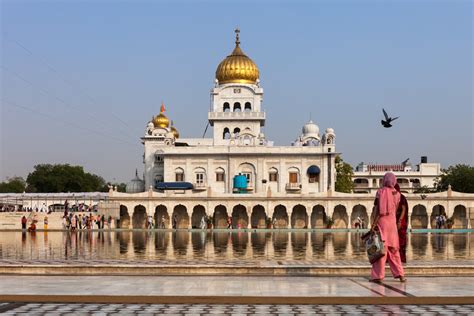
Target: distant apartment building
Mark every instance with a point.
(368, 177)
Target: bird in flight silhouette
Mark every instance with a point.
(388, 120)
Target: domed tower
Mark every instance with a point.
(236, 98)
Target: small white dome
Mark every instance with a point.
(329, 130)
(136, 185)
(310, 129)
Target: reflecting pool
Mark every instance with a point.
(220, 246)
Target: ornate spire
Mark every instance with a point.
(237, 39)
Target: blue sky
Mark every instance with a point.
(80, 79)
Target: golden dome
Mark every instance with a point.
(174, 131)
(237, 67)
(161, 120)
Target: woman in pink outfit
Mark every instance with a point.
(387, 201)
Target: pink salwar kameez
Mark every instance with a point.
(388, 200)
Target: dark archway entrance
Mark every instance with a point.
(419, 217)
(340, 217)
(180, 217)
(318, 217)
(299, 218)
(437, 210)
(124, 217)
(460, 217)
(139, 217)
(240, 218)
(258, 218)
(359, 212)
(162, 218)
(198, 213)
(280, 217)
(220, 217)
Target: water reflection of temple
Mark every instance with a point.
(227, 246)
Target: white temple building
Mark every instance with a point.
(238, 145)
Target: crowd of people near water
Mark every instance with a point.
(74, 222)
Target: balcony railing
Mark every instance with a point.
(199, 186)
(293, 186)
(236, 115)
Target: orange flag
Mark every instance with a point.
(162, 107)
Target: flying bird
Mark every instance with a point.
(388, 120)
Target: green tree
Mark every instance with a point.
(344, 175)
(13, 185)
(63, 178)
(460, 177)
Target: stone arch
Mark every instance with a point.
(248, 107)
(258, 219)
(359, 211)
(124, 217)
(226, 107)
(220, 216)
(318, 217)
(280, 217)
(180, 216)
(162, 218)
(460, 217)
(299, 218)
(419, 217)
(139, 217)
(237, 107)
(437, 210)
(339, 217)
(240, 218)
(198, 213)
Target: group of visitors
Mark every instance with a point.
(440, 221)
(33, 221)
(85, 221)
(391, 221)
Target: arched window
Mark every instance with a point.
(294, 175)
(273, 175)
(248, 107)
(236, 132)
(220, 174)
(200, 176)
(179, 174)
(313, 174)
(226, 133)
(237, 107)
(226, 107)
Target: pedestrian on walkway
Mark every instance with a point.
(387, 200)
(175, 221)
(402, 224)
(79, 221)
(23, 222)
(45, 222)
(102, 221)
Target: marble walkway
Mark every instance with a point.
(227, 309)
(235, 290)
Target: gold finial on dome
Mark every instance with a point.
(237, 67)
(161, 120)
(237, 40)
